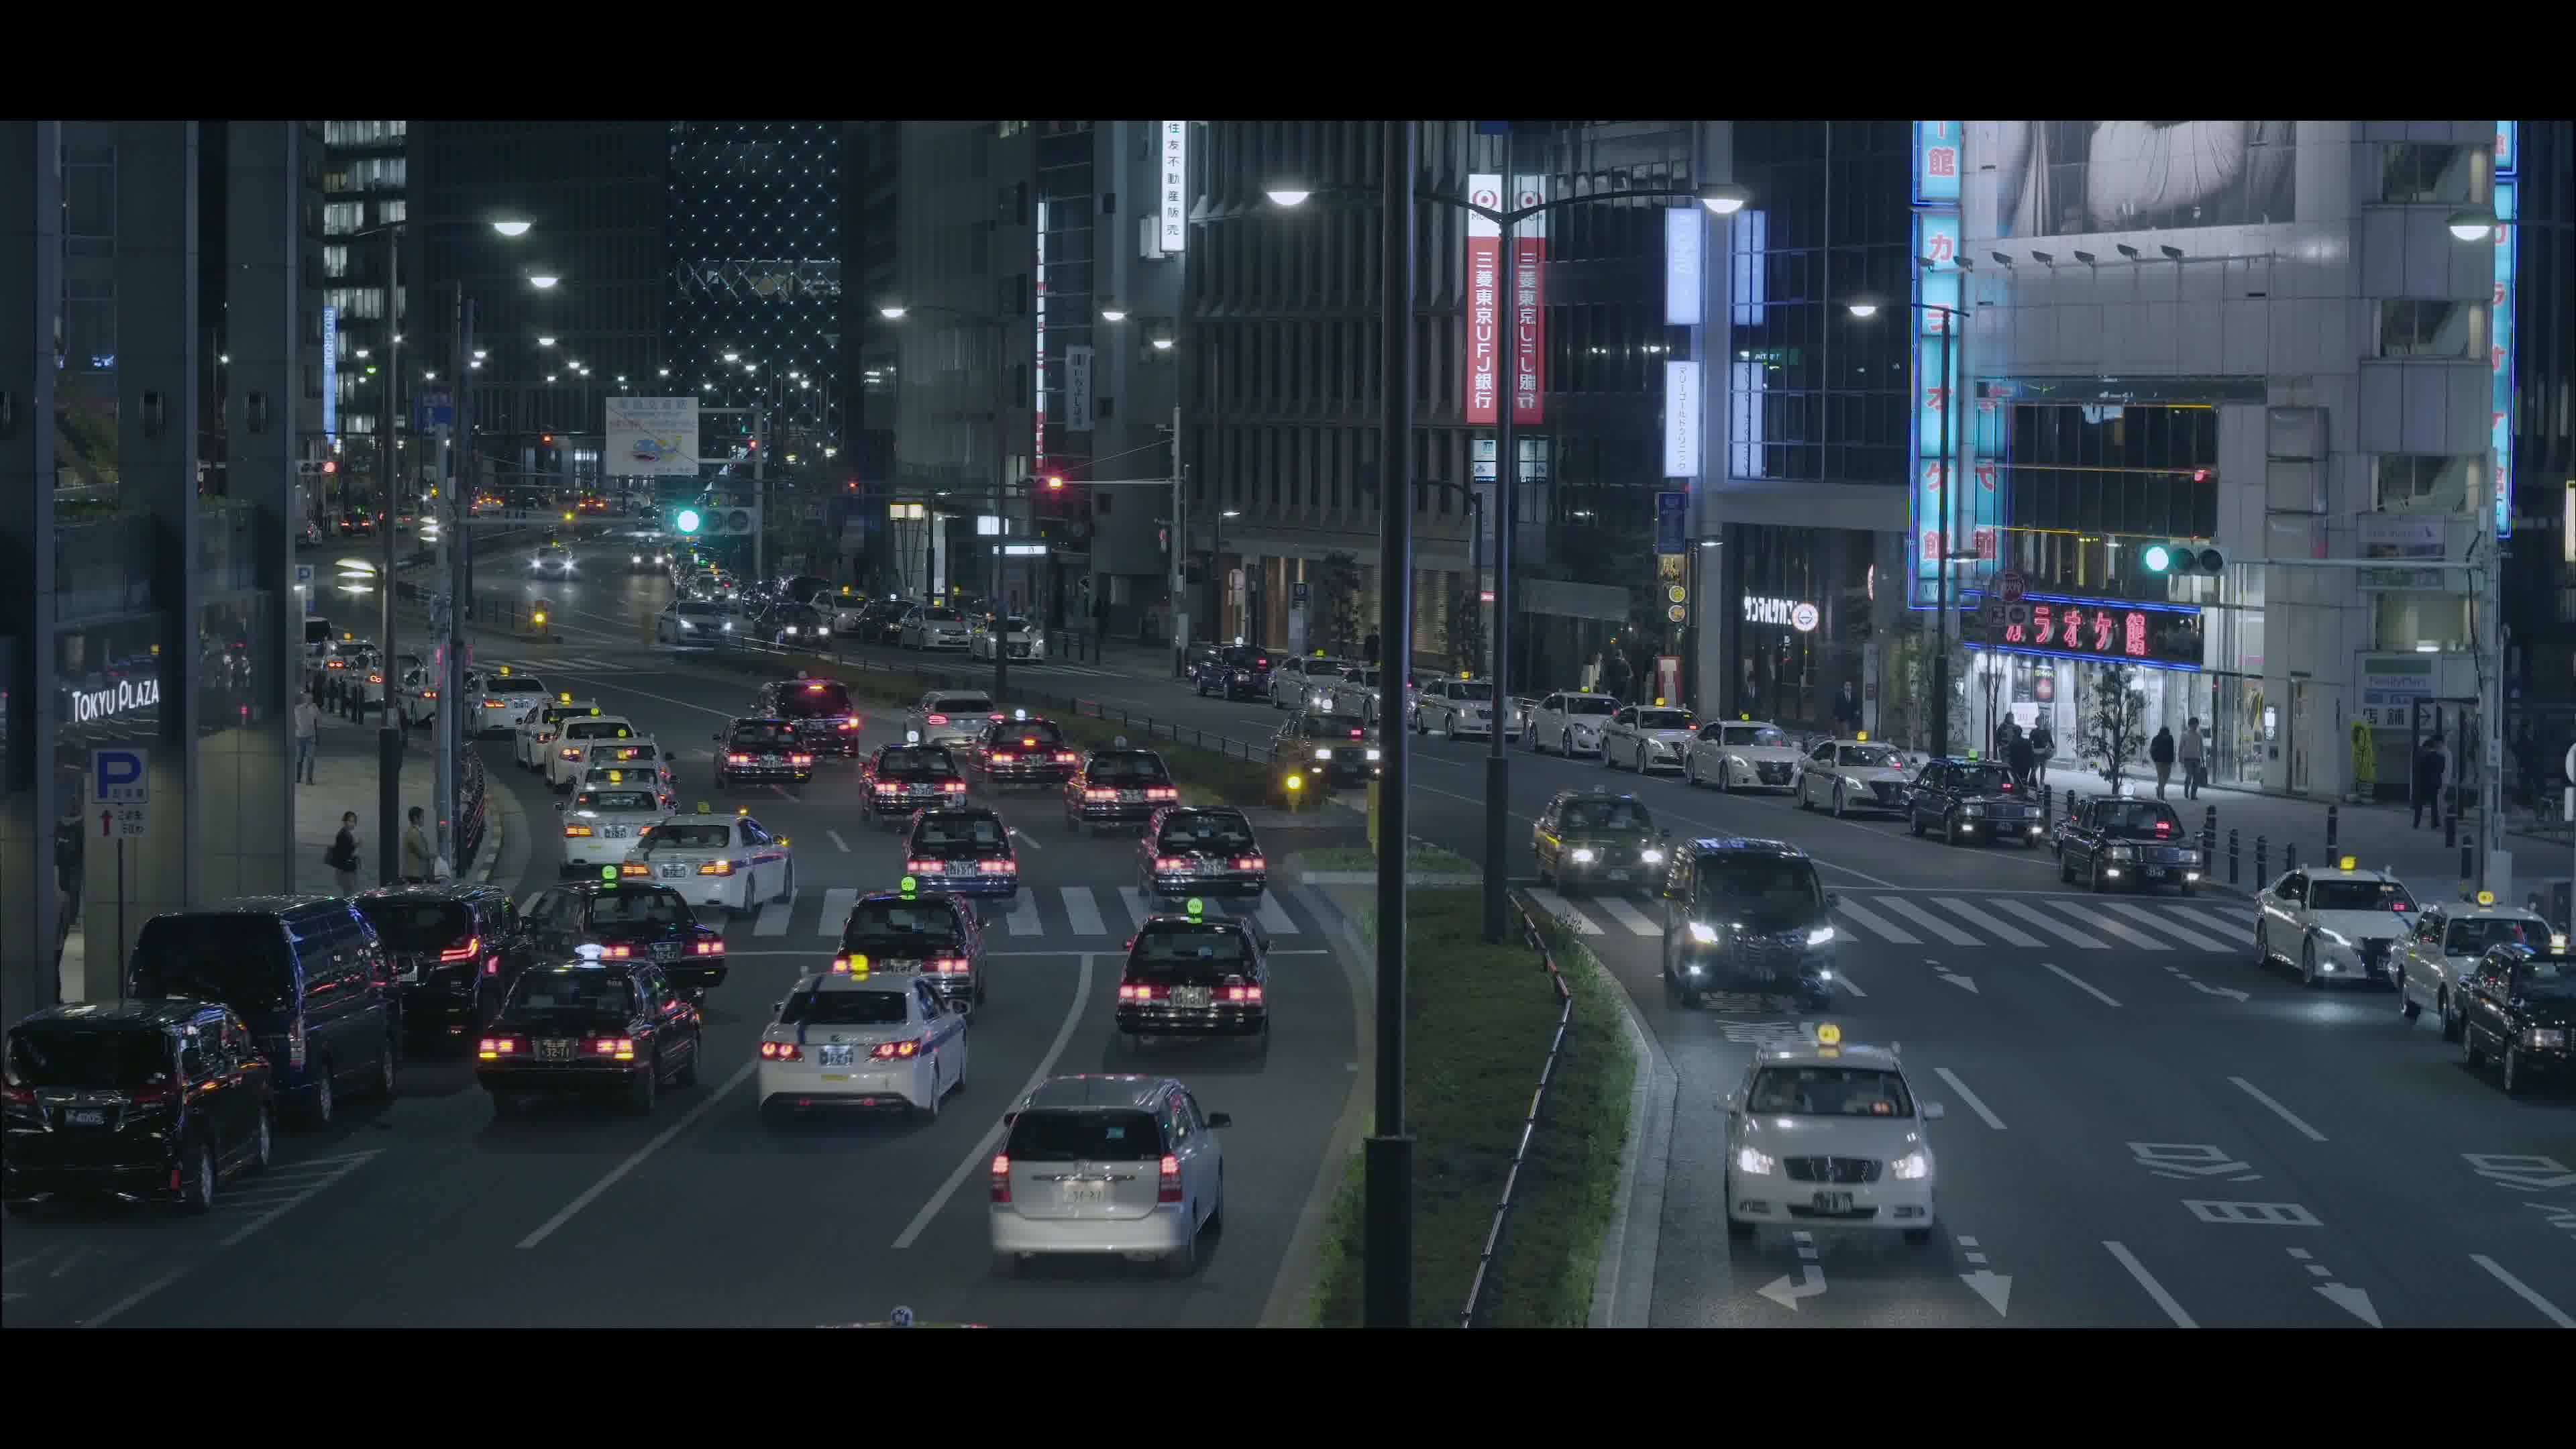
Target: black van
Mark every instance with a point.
(304, 972)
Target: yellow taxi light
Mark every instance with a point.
(2344, 864)
(741, 810)
(1296, 782)
(2485, 898)
(1659, 701)
(1463, 674)
(702, 807)
(564, 698)
(1863, 737)
(1829, 1035)
(505, 669)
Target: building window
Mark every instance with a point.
(2419, 623)
(2425, 482)
(2413, 172)
(2411, 328)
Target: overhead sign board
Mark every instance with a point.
(654, 437)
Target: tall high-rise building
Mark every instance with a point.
(364, 175)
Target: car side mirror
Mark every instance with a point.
(778, 1006)
(1010, 1117)
(560, 806)
(1220, 1119)
(1664, 834)
(1932, 1112)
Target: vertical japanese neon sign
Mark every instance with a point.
(1484, 299)
(1940, 420)
(2507, 253)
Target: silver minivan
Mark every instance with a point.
(1099, 1164)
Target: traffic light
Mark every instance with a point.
(2183, 559)
(546, 438)
(686, 522)
(1055, 482)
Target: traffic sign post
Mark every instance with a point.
(120, 785)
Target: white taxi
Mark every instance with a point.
(536, 736)
(600, 739)
(602, 821)
(1853, 774)
(877, 1039)
(1571, 722)
(1297, 683)
(1021, 637)
(502, 699)
(1646, 738)
(654, 775)
(1742, 755)
(725, 862)
(2428, 964)
(952, 718)
(1823, 1135)
(2334, 923)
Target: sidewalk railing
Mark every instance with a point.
(1540, 939)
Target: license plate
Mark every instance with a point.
(1618, 875)
(1131, 795)
(836, 1056)
(86, 1116)
(614, 832)
(772, 759)
(554, 1051)
(1191, 995)
(1833, 1202)
(1074, 1193)
(665, 950)
(678, 872)
(2156, 872)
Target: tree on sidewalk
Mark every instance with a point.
(1337, 596)
(1467, 644)
(2118, 723)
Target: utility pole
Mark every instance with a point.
(389, 740)
(759, 493)
(1180, 618)
(456, 538)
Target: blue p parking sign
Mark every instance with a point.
(117, 777)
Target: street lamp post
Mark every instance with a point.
(1952, 319)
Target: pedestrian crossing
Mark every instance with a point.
(1037, 914)
(569, 664)
(2083, 923)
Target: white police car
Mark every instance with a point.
(2337, 923)
(863, 1039)
(1823, 1135)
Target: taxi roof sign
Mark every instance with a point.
(1196, 907)
(608, 872)
(912, 737)
(702, 807)
(1862, 736)
(505, 669)
(564, 698)
(2486, 898)
(2345, 864)
(1828, 1034)
(909, 885)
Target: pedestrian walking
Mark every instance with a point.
(1614, 674)
(2432, 765)
(1847, 711)
(419, 857)
(308, 732)
(342, 857)
(2160, 752)
(2022, 758)
(2191, 753)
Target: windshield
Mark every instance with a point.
(1590, 704)
(1184, 955)
(1027, 735)
(608, 800)
(688, 835)
(1470, 690)
(238, 960)
(1663, 719)
(638, 908)
(94, 1059)
(960, 704)
(1084, 1136)
(898, 926)
(917, 760)
(1736, 883)
(698, 607)
(951, 830)
(1830, 1092)
(555, 714)
(1868, 757)
(516, 684)
(813, 696)
(417, 925)
(573, 988)
(1758, 736)
(2472, 938)
(1132, 767)
(1224, 834)
(1980, 780)
(1606, 815)
(1342, 726)
(597, 729)
(2553, 980)
(2140, 818)
(940, 616)
(1012, 625)
(761, 737)
(2358, 895)
(845, 1008)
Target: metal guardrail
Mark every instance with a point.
(1537, 939)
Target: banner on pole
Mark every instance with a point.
(1529, 304)
(1484, 299)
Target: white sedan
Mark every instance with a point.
(1829, 1136)
(502, 700)
(933, 627)
(1742, 755)
(2335, 923)
(537, 732)
(654, 775)
(952, 718)
(715, 861)
(1298, 683)
(603, 739)
(1571, 723)
(2447, 942)
(602, 822)
(693, 621)
(876, 1040)
(1021, 636)
(1647, 738)
(1459, 707)
(1848, 775)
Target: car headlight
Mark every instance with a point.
(2552, 1038)
(1754, 1162)
(1583, 855)
(1651, 857)
(1820, 935)
(1913, 1166)
(2122, 852)
(1704, 933)
(637, 559)
(1972, 808)
(1373, 757)
(1738, 762)
(728, 626)
(1323, 754)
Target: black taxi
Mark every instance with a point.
(820, 711)
(1117, 785)
(1597, 838)
(930, 933)
(590, 1024)
(2518, 1005)
(1024, 751)
(1236, 671)
(900, 779)
(762, 750)
(1747, 916)
(1333, 751)
(1189, 976)
(2110, 841)
(1188, 851)
(455, 948)
(164, 1098)
(1973, 801)
(962, 850)
(629, 920)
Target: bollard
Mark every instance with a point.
(2333, 820)
(2047, 801)
(2290, 857)
(2468, 871)
(2233, 860)
(2262, 849)
(2208, 831)
(2450, 823)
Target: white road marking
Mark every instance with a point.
(1023, 838)
(1975, 1104)
(1853, 910)
(2284, 1113)
(2163, 922)
(1843, 982)
(1274, 917)
(1024, 915)
(2100, 922)
(837, 840)
(836, 910)
(1138, 908)
(2011, 935)
(1628, 916)
(773, 919)
(2206, 919)
(980, 1158)
(2523, 1291)
(1559, 906)
(1927, 921)
(636, 1159)
(100, 1318)
(2079, 983)
(2052, 926)
(1085, 915)
(340, 1167)
(2147, 1280)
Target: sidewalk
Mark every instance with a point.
(344, 774)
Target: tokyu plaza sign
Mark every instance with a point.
(1791, 613)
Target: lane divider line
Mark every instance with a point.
(2284, 1113)
(2147, 1280)
(636, 1158)
(982, 1155)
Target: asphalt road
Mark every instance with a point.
(429, 1212)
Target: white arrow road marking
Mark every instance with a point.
(1994, 1287)
(837, 840)
(2521, 1169)
(2079, 983)
(2147, 1280)
(1974, 1104)
(2523, 1291)
(1967, 982)
(2284, 1113)
(1810, 1280)
(2342, 1295)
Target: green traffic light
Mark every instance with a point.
(2158, 558)
(687, 519)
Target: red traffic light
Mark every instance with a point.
(1055, 481)
(547, 439)
(752, 443)
(330, 465)
(852, 485)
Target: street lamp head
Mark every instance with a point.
(733, 357)
(363, 352)
(892, 311)
(1112, 312)
(544, 341)
(1234, 513)
(1288, 193)
(512, 227)
(2471, 226)
(1863, 307)
(542, 283)
(662, 372)
(1724, 198)
(1162, 341)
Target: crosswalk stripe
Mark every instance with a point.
(1024, 916)
(773, 918)
(1085, 915)
(1274, 918)
(2011, 935)
(2170, 927)
(2244, 915)
(1558, 905)
(1928, 921)
(2101, 922)
(1137, 906)
(836, 910)
(1628, 916)
(2054, 928)
(1878, 924)
(2215, 919)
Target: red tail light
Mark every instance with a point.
(1170, 862)
(1028, 744)
(1001, 867)
(2397, 905)
(577, 831)
(885, 789)
(631, 869)
(922, 867)
(1262, 663)
(949, 966)
(2163, 829)
(1141, 993)
(620, 1047)
(150, 1097)
(710, 948)
(617, 953)
(800, 759)
(2007, 787)
(1067, 757)
(491, 965)
(473, 947)
(737, 759)
(781, 1051)
(1162, 792)
(1099, 794)
(1355, 734)
(939, 719)
(1001, 759)
(493, 1048)
(570, 752)
(849, 724)
(889, 1051)
(954, 787)
(1168, 1185)
(995, 718)
(1243, 993)
(1248, 862)
(1001, 1177)
(18, 1096)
